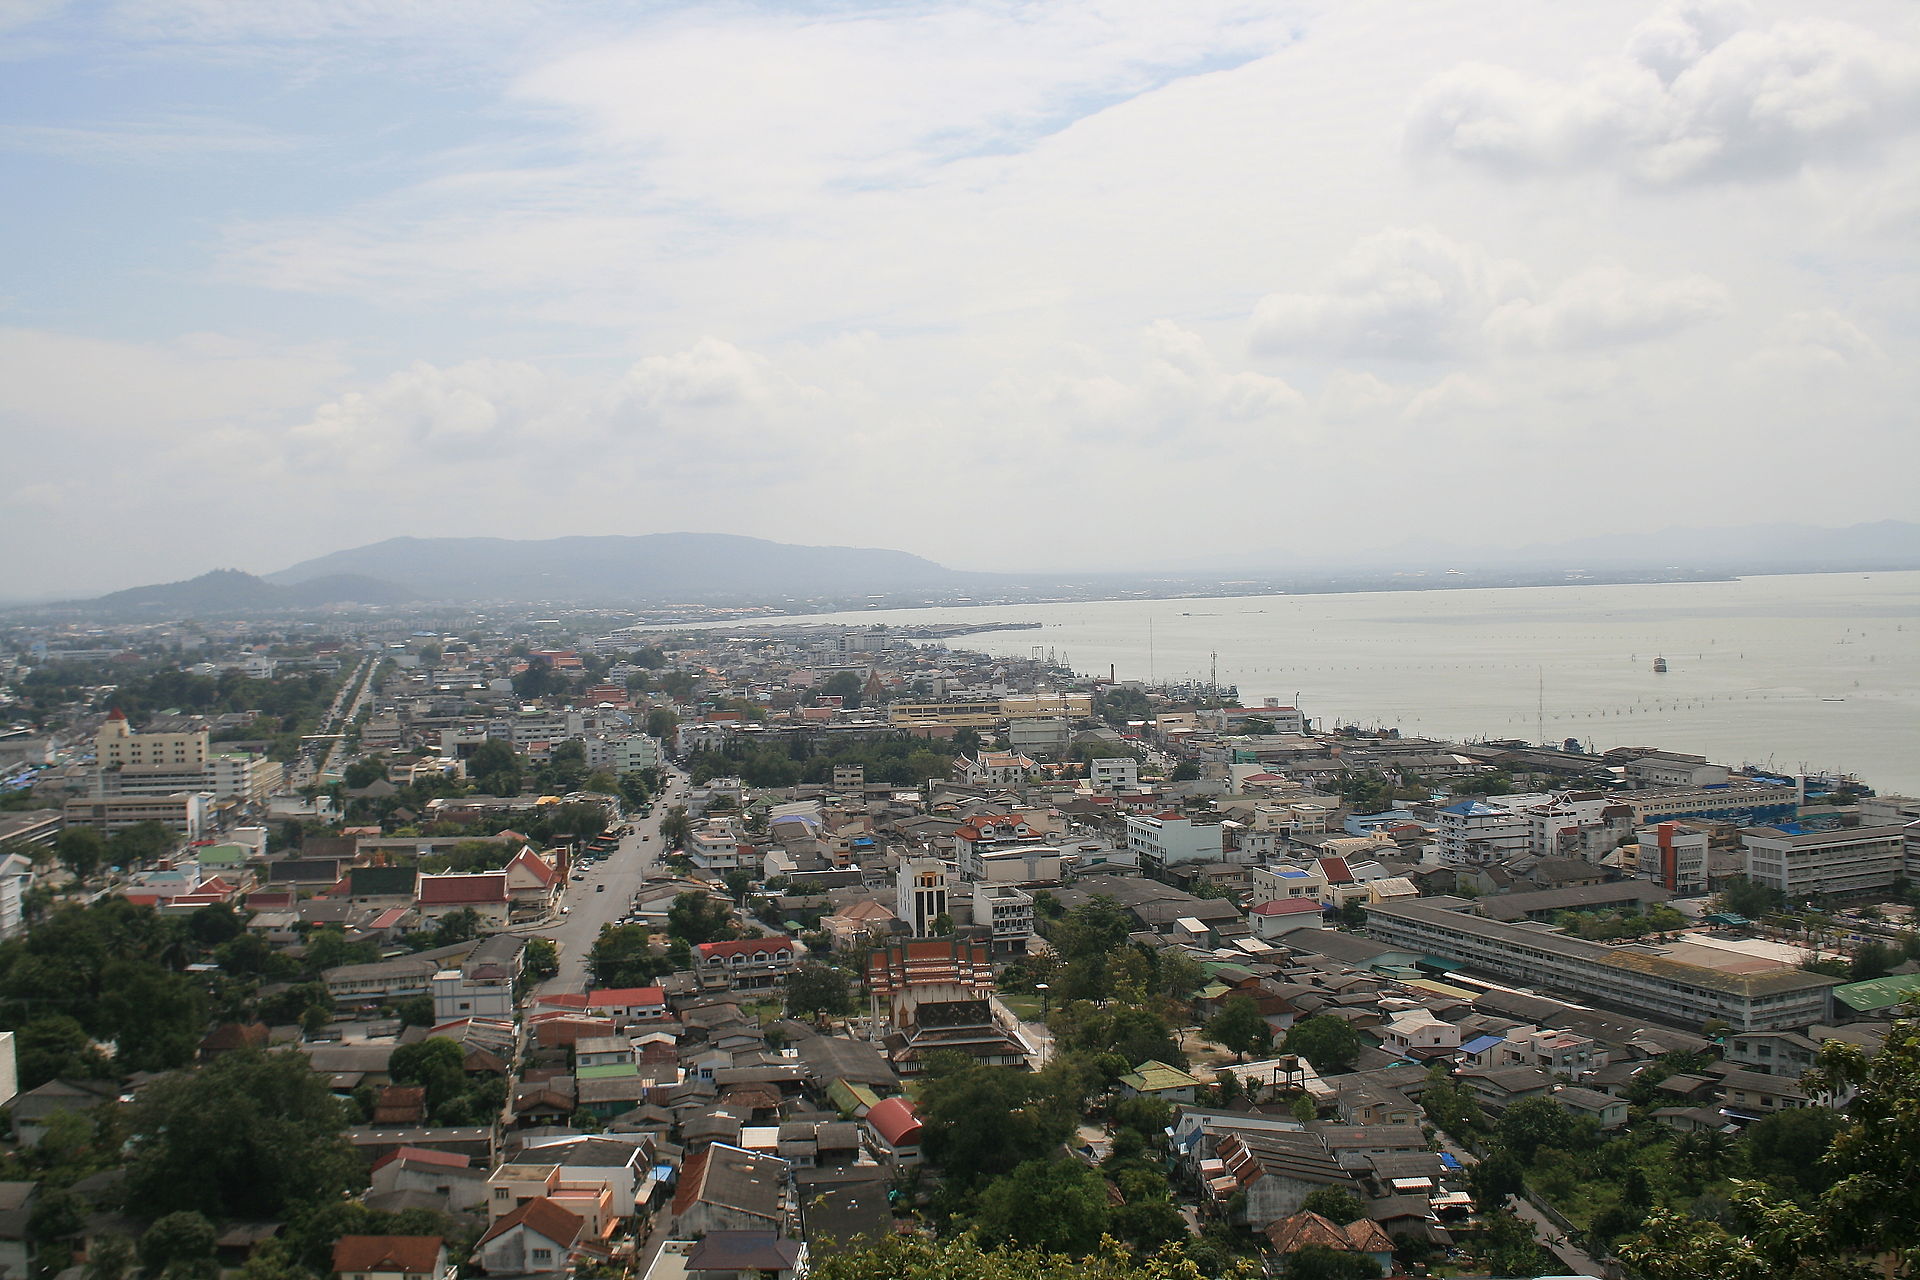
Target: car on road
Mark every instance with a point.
(599, 888)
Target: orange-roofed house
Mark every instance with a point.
(390, 1258)
(1306, 1228)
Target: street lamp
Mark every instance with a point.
(1046, 994)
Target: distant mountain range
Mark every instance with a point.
(716, 568)
(663, 567)
(231, 591)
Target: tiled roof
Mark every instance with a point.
(480, 886)
(544, 1218)
(415, 1255)
(746, 946)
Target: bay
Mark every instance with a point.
(1816, 672)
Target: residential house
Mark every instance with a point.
(539, 1236)
(391, 1258)
(725, 1187)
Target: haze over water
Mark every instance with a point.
(1754, 665)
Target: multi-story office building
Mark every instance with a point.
(1803, 863)
(1163, 839)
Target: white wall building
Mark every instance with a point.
(1477, 833)
(920, 893)
(1164, 839)
(1850, 860)
(1112, 773)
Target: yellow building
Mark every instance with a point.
(117, 746)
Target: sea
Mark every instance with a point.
(1805, 673)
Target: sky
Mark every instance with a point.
(1082, 284)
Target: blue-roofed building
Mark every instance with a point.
(1475, 833)
(1479, 1051)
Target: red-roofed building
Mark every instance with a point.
(531, 880)
(1336, 871)
(485, 892)
(390, 1258)
(1282, 916)
(745, 963)
(648, 1003)
(894, 1128)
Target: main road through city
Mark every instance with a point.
(605, 892)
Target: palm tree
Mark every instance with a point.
(1704, 1153)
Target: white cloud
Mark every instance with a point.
(1606, 306)
(1700, 93)
(1418, 295)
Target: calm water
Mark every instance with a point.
(1755, 666)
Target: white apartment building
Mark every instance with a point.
(920, 894)
(1008, 910)
(715, 846)
(237, 775)
(1850, 860)
(1474, 832)
(1161, 840)
(1113, 772)
(1549, 821)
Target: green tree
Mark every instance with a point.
(622, 956)
(110, 1257)
(495, 768)
(542, 959)
(1185, 771)
(695, 918)
(1704, 1154)
(1336, 1204)
(54, 1047)
(1788, 1148)
(247, 1136)
(1329, 1043)
(675, 827)
(1531, 1123)
(982, 1122)
(81, 850)
(1872, 960)
(662, 724)
(437, 1063)
(1318, 1262)
(818, 990)
(1059, 1205)
(966, 1258)
(1239, 1027)
(183, 1237)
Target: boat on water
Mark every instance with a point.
(1660, 666)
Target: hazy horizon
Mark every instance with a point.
(1002, 286)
